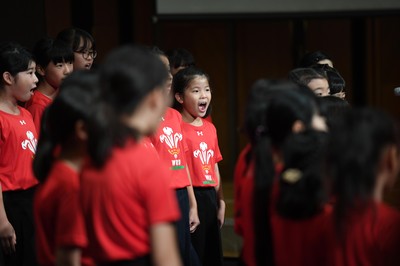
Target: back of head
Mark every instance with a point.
(180, 57)
(13, 59)
(302, 191)
(127, 76)
(313, 58)
(75, 102)
(78, 39)
(47, 50)
(285, 103)
(354, 153)
(332, 107)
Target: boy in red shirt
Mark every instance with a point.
(54, 61)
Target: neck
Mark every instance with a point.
(193, 120)
(8, 104)
(73, 157)
(138, 123)
(379, 188)
(47, 89)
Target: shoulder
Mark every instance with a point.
(208, 125)
(24, 112)
(173, 113)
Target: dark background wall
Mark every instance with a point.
(234, 49)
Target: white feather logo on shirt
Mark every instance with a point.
(204, 154)
(29, 143)
(172, 141)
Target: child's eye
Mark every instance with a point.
(195, 91)
(59, 65)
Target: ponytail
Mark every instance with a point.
(44, 156)
(75, 102)
(301, 187)
(263, 180)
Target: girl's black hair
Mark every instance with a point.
(285, 104)
(332, 108)
(127, 76)
(75, 102)
(157, 51)
(354, 152)
(313, 58)
(303, 76)
(182, 80)
(13, 59)
(74, 36)
(302, 190)
(336, 82)
(47, 50)
(180, 57)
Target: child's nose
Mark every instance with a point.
(36, 80)
(68, 68)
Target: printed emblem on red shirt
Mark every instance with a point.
(172, 141)
(29, 143)
(204, 154)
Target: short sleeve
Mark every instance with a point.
(70, 232)
(159, 199)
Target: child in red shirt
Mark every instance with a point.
(193, 95)
(59, 223)
(301, 219)
(128, 204)
(54, 61)
(17, 149)
(275, 109)
(171, 147)
(363, 160)
(83, 45)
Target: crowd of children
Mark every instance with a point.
(118, 165)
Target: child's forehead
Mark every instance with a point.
(199, 78)
(85, 43)
(31, 64)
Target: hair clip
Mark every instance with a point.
(292, 175)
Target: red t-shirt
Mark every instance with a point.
(171, 147)
(307, 242)
(18, 140)
(203, 153)
(372, 238)
(36, 106)
(122, 200)
(58, 215)
(239, 176)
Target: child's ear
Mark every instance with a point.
(8, 78)
(394, 159)
(390, 163)
(179, 98)
(81, 130)
(40, 70)
(298, 126)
